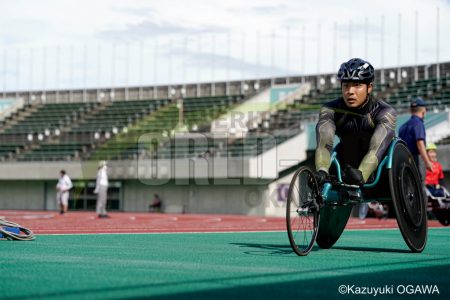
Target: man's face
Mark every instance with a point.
(423, 112)
(355, 93)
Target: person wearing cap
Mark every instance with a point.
(414, 135)
(434, 180)
(101, 189)
(365, 126)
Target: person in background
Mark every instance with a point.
(434, 180)
(156, 204)
(414, 135)
(62, 191)
(101, 189)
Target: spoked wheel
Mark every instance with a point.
(408, 199)
(302, 211)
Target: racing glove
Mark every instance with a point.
(352, 176)
(321, 176)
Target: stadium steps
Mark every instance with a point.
(78, 138)
(125, 145)
(19, 116)
(102, 106)
(198, 113)
(49, 117)
(38, 149)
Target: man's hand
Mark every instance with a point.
(352, 176)
(429, 165)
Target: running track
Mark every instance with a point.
(51, 222)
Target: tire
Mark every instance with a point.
(408, 199)
(302, 211)
(333, 222)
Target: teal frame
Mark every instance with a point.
(329, 195)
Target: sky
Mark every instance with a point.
(63, 44)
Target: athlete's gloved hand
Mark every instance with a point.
(321, 176)
(352, 176)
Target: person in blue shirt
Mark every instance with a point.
(413, 133)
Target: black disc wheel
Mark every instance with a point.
(332, 224)
(408, 199)
(302, 211)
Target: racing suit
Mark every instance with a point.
(364, 132)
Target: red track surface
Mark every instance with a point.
(51, 222)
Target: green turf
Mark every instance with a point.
(217, 266)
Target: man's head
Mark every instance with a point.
(101, 164)
(419, 107)
(431, 151)
(62, 173)
(356, 78)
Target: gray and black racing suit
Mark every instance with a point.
(364, 132)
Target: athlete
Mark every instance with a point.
(364, 125)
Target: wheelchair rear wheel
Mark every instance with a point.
(302, 211)
(408, 199)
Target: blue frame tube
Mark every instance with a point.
(386, 162)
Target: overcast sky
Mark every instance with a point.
(72, 44)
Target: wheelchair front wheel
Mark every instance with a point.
(302, 211)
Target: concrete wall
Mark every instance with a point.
(209, 199)
(22, 194)
(247, 199)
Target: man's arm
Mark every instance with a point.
(325, 130)
(424, 155)
(382, 136)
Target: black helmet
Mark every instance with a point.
(356, 70)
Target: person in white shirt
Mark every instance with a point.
(101, 189)
(62, 191)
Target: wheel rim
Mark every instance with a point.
(410, 196)
(408, 199)
(302, 214)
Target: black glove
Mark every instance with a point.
(352, 176)
(321, 176)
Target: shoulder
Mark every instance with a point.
(385, 107)
(384, 113)
(331, 106)
(336, 103)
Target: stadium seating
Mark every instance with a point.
(163, 123)
(114, 130)
(49, 117)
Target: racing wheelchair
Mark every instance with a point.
(439, 206)
(319, 214)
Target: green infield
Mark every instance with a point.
(223, 266)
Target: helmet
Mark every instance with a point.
(431, 146)
(356, 70)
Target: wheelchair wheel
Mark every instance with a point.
(408, 198)
(302, 211)
(332, 224)
(442, 215)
